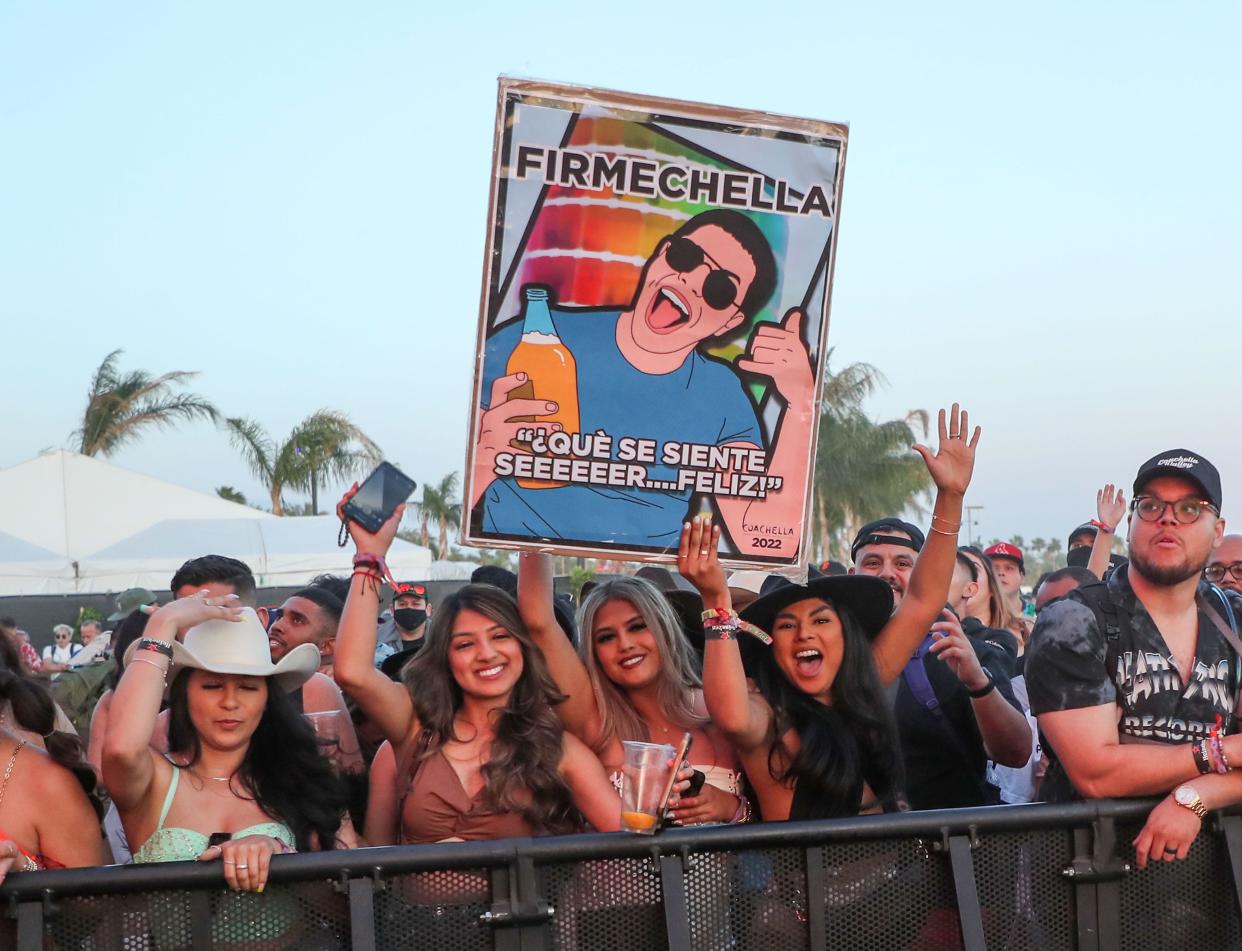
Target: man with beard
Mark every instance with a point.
(954, 708)
(1133, 679)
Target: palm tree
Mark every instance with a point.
(121, 405)
(863, 468)
(325, 446)
(230, 494)
(442, 503)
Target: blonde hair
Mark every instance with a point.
(678, 674)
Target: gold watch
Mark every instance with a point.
(1186, 796)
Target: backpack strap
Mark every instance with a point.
(1228, 632)
(915, 676)
(1111, 617)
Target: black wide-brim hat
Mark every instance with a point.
(869, 599)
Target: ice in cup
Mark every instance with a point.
(645, 776)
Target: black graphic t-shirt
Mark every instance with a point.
(1067, 668)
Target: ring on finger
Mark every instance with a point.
(243, 865)
(231, 862)
(1169, 851)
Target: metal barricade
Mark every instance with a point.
(1011, 877)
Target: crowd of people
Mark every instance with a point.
(927, 675)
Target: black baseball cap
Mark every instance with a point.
(1086, 528)
(1182, 464)
(873, 533)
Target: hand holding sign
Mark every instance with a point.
(778, 352)
(498, 427)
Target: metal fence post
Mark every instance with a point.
(816, 896)
(1232, 827)
(967, 894)
(676, 907)
(361, 914)
(30, 926)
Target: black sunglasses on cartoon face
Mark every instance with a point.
(1216, 573)
(1186, 511)
(720, 287)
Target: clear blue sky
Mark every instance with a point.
(1039, 217)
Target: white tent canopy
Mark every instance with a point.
(73, 524)
(280, 552)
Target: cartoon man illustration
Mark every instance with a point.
(640, 374)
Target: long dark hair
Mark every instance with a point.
(34, 711)
(131, 627)
(283, 770)
(854, 740)
(522, 772)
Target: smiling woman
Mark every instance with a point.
(479, 751)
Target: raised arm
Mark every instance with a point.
(579, 713)
(128, 767)
(742, 716)
(1110, 508)
(950, 467)
(386, 703)
(593, 793)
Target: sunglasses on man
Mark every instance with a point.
(719, 287)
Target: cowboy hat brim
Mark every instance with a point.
(289, 673)
(869, 599)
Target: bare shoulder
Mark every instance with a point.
(321, 694)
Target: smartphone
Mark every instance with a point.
(683, 750)
(378, 497)
(697, 779)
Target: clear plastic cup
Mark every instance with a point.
(644, 779)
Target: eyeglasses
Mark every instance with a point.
(1216, 573)
(719, 287)
(1186, 511)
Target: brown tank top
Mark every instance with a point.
(437, 808)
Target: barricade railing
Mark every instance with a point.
(1010, 877)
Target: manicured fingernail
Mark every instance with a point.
(521, 376)
(549, 406)
(260, 889)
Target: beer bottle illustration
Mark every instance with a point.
(551, 371)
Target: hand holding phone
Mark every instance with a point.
(373, 503)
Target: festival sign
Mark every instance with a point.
(653, 325)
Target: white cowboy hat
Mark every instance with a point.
(239, 647)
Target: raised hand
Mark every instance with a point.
(954, 648)
(497, 428)
(952, 465)
(698, 560)
(184, 613)
(364, 541)
(778, 352)
(1110, 506)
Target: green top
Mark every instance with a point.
(185, 845)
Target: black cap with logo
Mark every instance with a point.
(878, 533)
(1182, 464)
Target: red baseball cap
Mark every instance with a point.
(1006, 550)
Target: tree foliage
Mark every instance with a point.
(441, 504)
(230, 494)
(325, 447)
(864, 469)
(121, 406)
